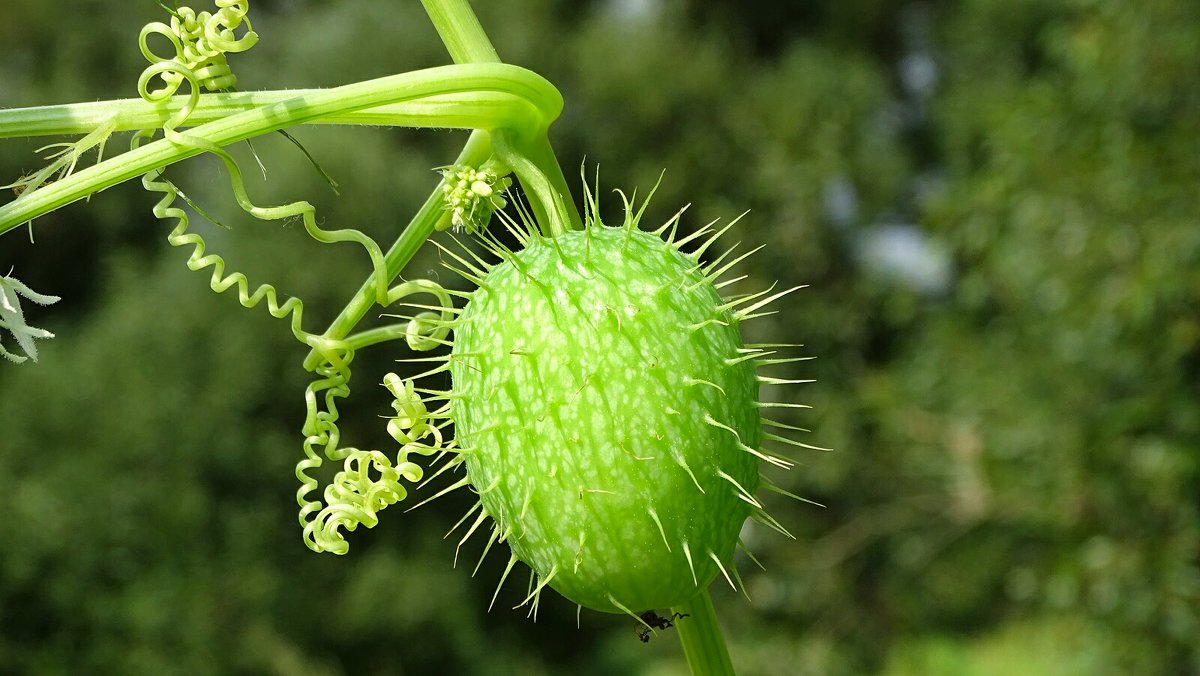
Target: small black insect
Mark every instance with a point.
(651, 620)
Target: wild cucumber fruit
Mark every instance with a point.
(607, 412)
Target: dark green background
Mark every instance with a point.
(1015, 486)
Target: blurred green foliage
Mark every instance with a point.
(1016, 482)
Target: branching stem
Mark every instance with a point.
(529, 155)
(309, 106)
(466, 42)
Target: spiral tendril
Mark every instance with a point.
(425, 330)
(201, 42)
(369, 480)
(412, 421)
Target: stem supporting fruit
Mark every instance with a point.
(700, 634)
(475, 152)
(460, 31)
(466, 41)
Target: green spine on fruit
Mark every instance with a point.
(607, 413)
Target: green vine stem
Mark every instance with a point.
(460, 31)
(703, 642)
(301, 107)
(477, 149)
(466, 42)
(531, 157)
(472, 110)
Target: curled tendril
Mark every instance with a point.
(353, 496)
(175, 71)
(219, 282)
(427, 329)
(201, 42)
(423, 331)
(412, 421)
(343, 507)
(369, 480)
(367, 483)
(470, 196)
(321, 431)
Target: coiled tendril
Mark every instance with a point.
(201, 42)
(369, 480)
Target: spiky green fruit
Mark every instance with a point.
(606, 410)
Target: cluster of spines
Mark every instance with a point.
(472, 267)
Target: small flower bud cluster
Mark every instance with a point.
(471, 196)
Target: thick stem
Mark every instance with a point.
(700, 634)
(466, 42)
(460, 31)
(476, 151)
(535, 163)
(480, 109)
(313, 105)
(542, 155)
